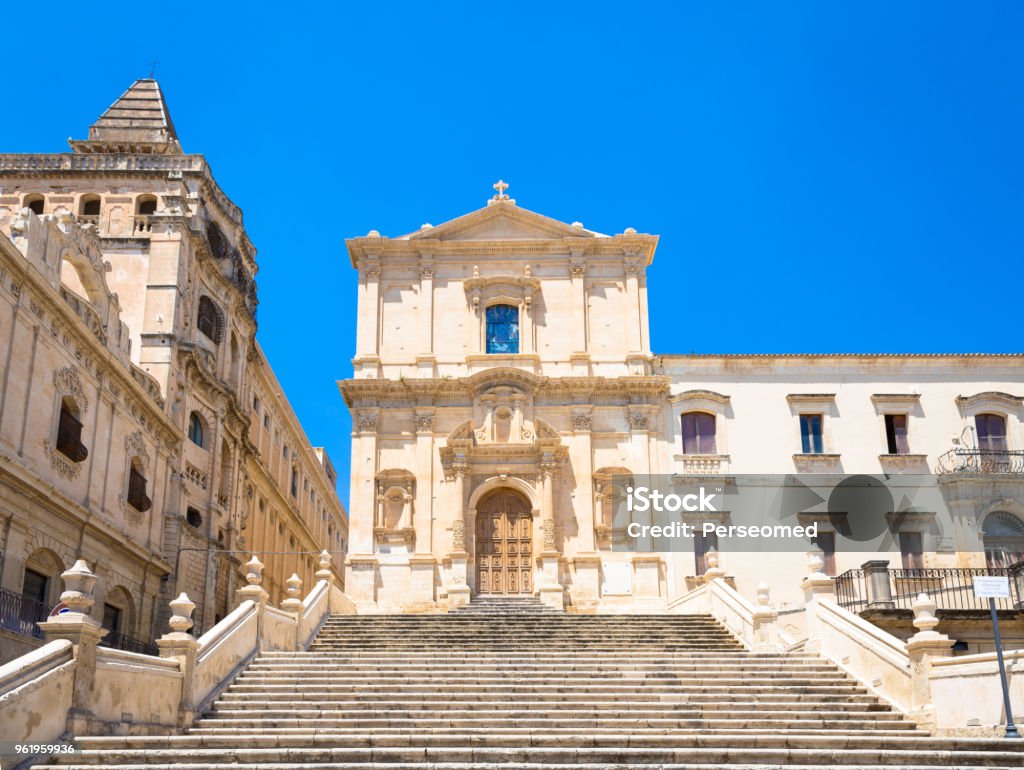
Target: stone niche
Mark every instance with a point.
(393, 529)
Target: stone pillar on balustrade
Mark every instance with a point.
(713, 569)
(765, 617)
(922, 649)
(253, 591)
(180, 644)
(877, 585)
(816, 587)
(77, 626)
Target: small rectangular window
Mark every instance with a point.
(826, 541)
(137, 498)
(69, 435)
(896, 434)
(701, 545)
(811, 434)
(256, 404)
(36, 586)
(112, 617)
(295, 482)
(911, 550)
(266, 421)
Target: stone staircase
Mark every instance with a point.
(510, 683)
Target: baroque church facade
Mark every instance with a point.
(504, 386)
(141, 426)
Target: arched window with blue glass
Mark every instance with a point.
(502, 329)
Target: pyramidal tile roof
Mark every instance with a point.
(138, 122)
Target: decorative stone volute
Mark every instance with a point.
(79, 582)
(182, 609)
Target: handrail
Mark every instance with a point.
(209, 641)
(30, 665)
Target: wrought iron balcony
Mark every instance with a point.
(981, 461)
(21, 614)
(118, 641)
(874, 587)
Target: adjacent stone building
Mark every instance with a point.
(504, 386)
(141, 426)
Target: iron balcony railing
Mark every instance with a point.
(981, 461)
(21, 614)
(119, 641)
(863, 589)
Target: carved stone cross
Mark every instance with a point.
(501, 185)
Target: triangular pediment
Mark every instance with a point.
(501, 221)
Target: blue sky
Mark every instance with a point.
(834, 176)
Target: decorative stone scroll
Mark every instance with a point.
(136, 446)
(66, 381)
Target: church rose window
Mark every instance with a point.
(502, 329)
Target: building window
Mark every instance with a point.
(698, 433)
(256, 404)
(1003, 535)
(146, 206)
(89, 206)
(35, 203)
(826, 541)
(991, 432)
(284, 452)
(69, 432)
(137, 498)
(911, 550)
(811, 441)
(194, 517)
(701, 545)
(502, 329)
(209, 321)
(36, 586)
(112, 618)
(266, 421)
(896, 434)
(295, 482)
(195, 429)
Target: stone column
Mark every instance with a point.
(923, 648)
(180, 644)
(550, 590)
(816, 586)
(423, 507)
(84, 633)
(458, 586)
(632, 321)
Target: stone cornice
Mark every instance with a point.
(464, 389)
(51, 165)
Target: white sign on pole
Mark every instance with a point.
(991, 587)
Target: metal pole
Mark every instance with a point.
(1011, 728)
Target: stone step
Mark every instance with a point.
(580, 684)
(906, 742)
(709, 750)
(552, 726)
(479, 765)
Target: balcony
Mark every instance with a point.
(118, 641)
(875, 587)
(981, 461)
(21, 614)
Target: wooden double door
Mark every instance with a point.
(504, 544)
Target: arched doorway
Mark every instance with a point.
(504, 544)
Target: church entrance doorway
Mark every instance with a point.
(504, 544)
